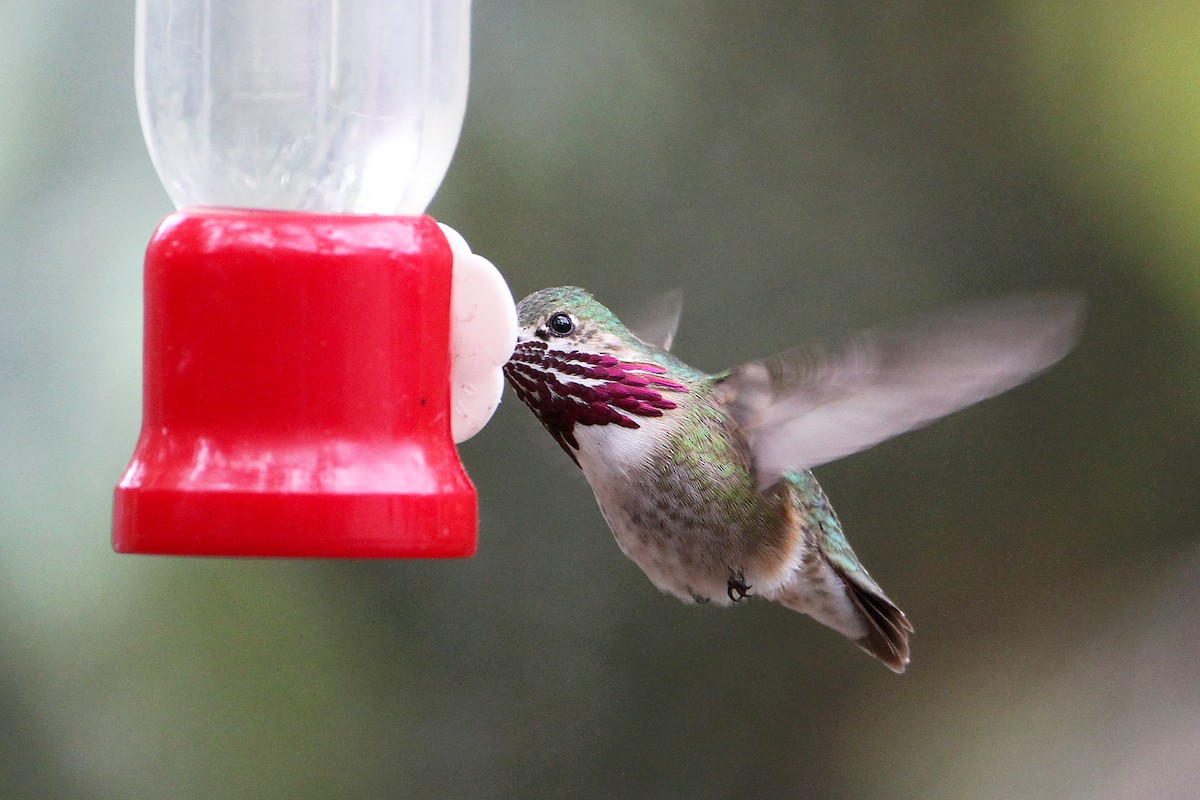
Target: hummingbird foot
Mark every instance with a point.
(737, 584)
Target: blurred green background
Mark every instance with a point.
(800, 168)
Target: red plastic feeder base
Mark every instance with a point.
(296, 391)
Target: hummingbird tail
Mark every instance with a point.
(887, 628)
(851, 603)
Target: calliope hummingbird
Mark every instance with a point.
(705, 479)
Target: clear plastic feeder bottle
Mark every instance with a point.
(297, 305)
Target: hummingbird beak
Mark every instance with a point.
(528, 334)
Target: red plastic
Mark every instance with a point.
(296, 391)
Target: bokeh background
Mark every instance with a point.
(800, 168)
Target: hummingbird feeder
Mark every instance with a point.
(313, 344)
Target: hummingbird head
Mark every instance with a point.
(576, 364)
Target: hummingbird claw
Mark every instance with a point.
(737, 584)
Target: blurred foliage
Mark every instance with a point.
(804, 169)
(1115, 85)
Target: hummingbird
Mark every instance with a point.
(705, 479)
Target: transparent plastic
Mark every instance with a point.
(305, 105)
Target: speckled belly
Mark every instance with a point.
(686, 509)
(687, 541)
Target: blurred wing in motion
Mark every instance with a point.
(657, 322)
(820, 402)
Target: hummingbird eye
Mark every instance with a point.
(560, 324)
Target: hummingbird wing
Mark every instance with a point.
(657, 322)
(820, 402)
